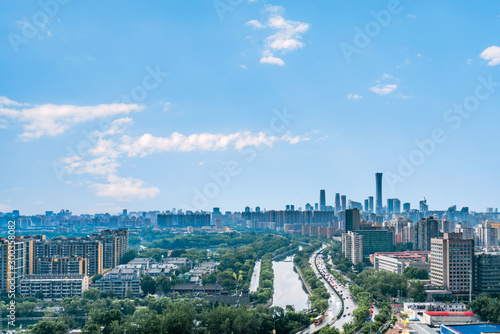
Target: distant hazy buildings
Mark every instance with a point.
(425, 230)
(196, 220)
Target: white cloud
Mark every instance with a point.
(54, 120)
(272, 60)
(201, 163)
(4, 208)
(386, 76)
(124, 189)
(411, 16)
(492, 54)
(469, 61)
(166, 105)
(383, 89)
(243, 67)
(111, 147)
(353, 96)
(286, 37)
(177, 142)
(255, 24)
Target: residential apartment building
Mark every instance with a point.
(61, 266)
(16, 261)
(352, 246)
(119, 284)
(54, 286)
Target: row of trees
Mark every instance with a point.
(266, 280)
(392, 284)
(319, 298)
(182, 316)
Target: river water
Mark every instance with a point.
(288, 286)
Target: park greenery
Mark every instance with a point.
(266, 281)
(487, 307)
(415, 273)
(164, 315)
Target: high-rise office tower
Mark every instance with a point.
(425, 230)
(322, 200)
(316, 206)
(390, 205)
(370, 203)
(397, 205)
(406, 207)
(423, 206)
(451, 262)
(337, 202)
(367, 207)
(352, 219)
(343, 199)
(378, 192)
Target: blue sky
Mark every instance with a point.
(160, 105)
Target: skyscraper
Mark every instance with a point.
(322, 200)
(352, 220)
(378, 192)
(344, 202)
(337, 202)
(406, 207)
(390, 205)
(397, 205)
(425, 230)
(370, 203)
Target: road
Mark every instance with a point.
(334, 302)
(254, 281)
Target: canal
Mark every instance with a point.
(288, 286)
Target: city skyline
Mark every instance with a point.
(259, 103)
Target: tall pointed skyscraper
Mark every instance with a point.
(322, 200)
(378, 192)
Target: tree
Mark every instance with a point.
(39, 295)
(105, 318)
(415, 273)
(91, 293)
(129, 256)
(96, 277)
(91, 329)
(130, 293)
(329, 330)
(417, 291)
(49, 327)
(148, 284)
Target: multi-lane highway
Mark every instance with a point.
(334, 302)
(317, 263)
